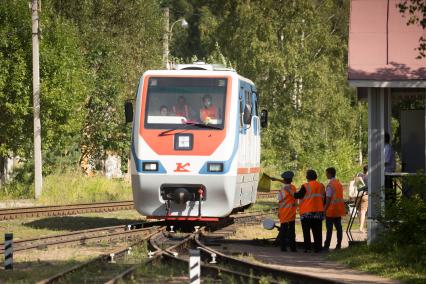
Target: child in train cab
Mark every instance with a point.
(164, 111)
(287, 212)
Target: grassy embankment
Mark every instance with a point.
(71, 187)
(387, 263)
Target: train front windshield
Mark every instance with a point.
(184, 102)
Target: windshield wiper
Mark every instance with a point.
(186, 125)
(201, 125)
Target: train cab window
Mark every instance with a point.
(248, 107)
(182, 102)
(255, 104)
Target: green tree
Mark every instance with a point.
(121, 40)
(295, 52)
(416, 10)
(63, 80)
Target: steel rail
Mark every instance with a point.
(259, 269)
(215, 271)
(156, 255)
(270, 194)
(99, 259)
(168, 254)
(83, 236)
(64, 210)
(74, 209)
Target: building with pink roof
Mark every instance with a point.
(383, 65)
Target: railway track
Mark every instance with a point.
(216, 266)
(270, 194)
(105, 263)
(74, 209)
(165, 258)
(64, 210)
(112, 233)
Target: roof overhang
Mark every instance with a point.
(388, 84)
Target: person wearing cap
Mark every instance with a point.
(208, 111)
(287, 212)
(311, 210)
(334, 208)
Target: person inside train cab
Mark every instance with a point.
(287, 212)
(208, 111)
(164, 111)
(334, 208)
(181, 108)
(311, 210)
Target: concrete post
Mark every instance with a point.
(387, 110)
(376, 181)
(36, 100)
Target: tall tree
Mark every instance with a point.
(295, 51)
(121, 40)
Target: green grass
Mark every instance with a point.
(385, 263)
(71, 187)
(77, 188)
(30, 272)
(30, 228)
(263, 204)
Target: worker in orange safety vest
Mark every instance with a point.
(334, 208)
(287, 212)
(208, 111)
(311, 210)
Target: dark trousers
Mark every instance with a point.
(390, 192)
(316, 226)
(288, 235)
(337, 222)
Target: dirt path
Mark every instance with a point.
(306, 263)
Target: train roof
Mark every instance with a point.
(197, 69)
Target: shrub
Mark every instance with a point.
(404, 221)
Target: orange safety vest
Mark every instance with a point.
(313, 201)
(184, 113)
(287, 210)
(208, 112)
(337, 205)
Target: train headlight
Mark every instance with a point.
(150, 166)
(215, 167)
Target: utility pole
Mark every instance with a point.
(38, 179)
(166, 38)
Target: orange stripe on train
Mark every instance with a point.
(248, 170)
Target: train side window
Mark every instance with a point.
(247, 108)
(255, 104)
(241, 110)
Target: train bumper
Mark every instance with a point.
(217, 200)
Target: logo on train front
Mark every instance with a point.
(181, 167)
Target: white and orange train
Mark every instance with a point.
(195, 152)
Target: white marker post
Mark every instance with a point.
(194, 266)
(8, 251)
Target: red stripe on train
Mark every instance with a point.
(180, 218)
